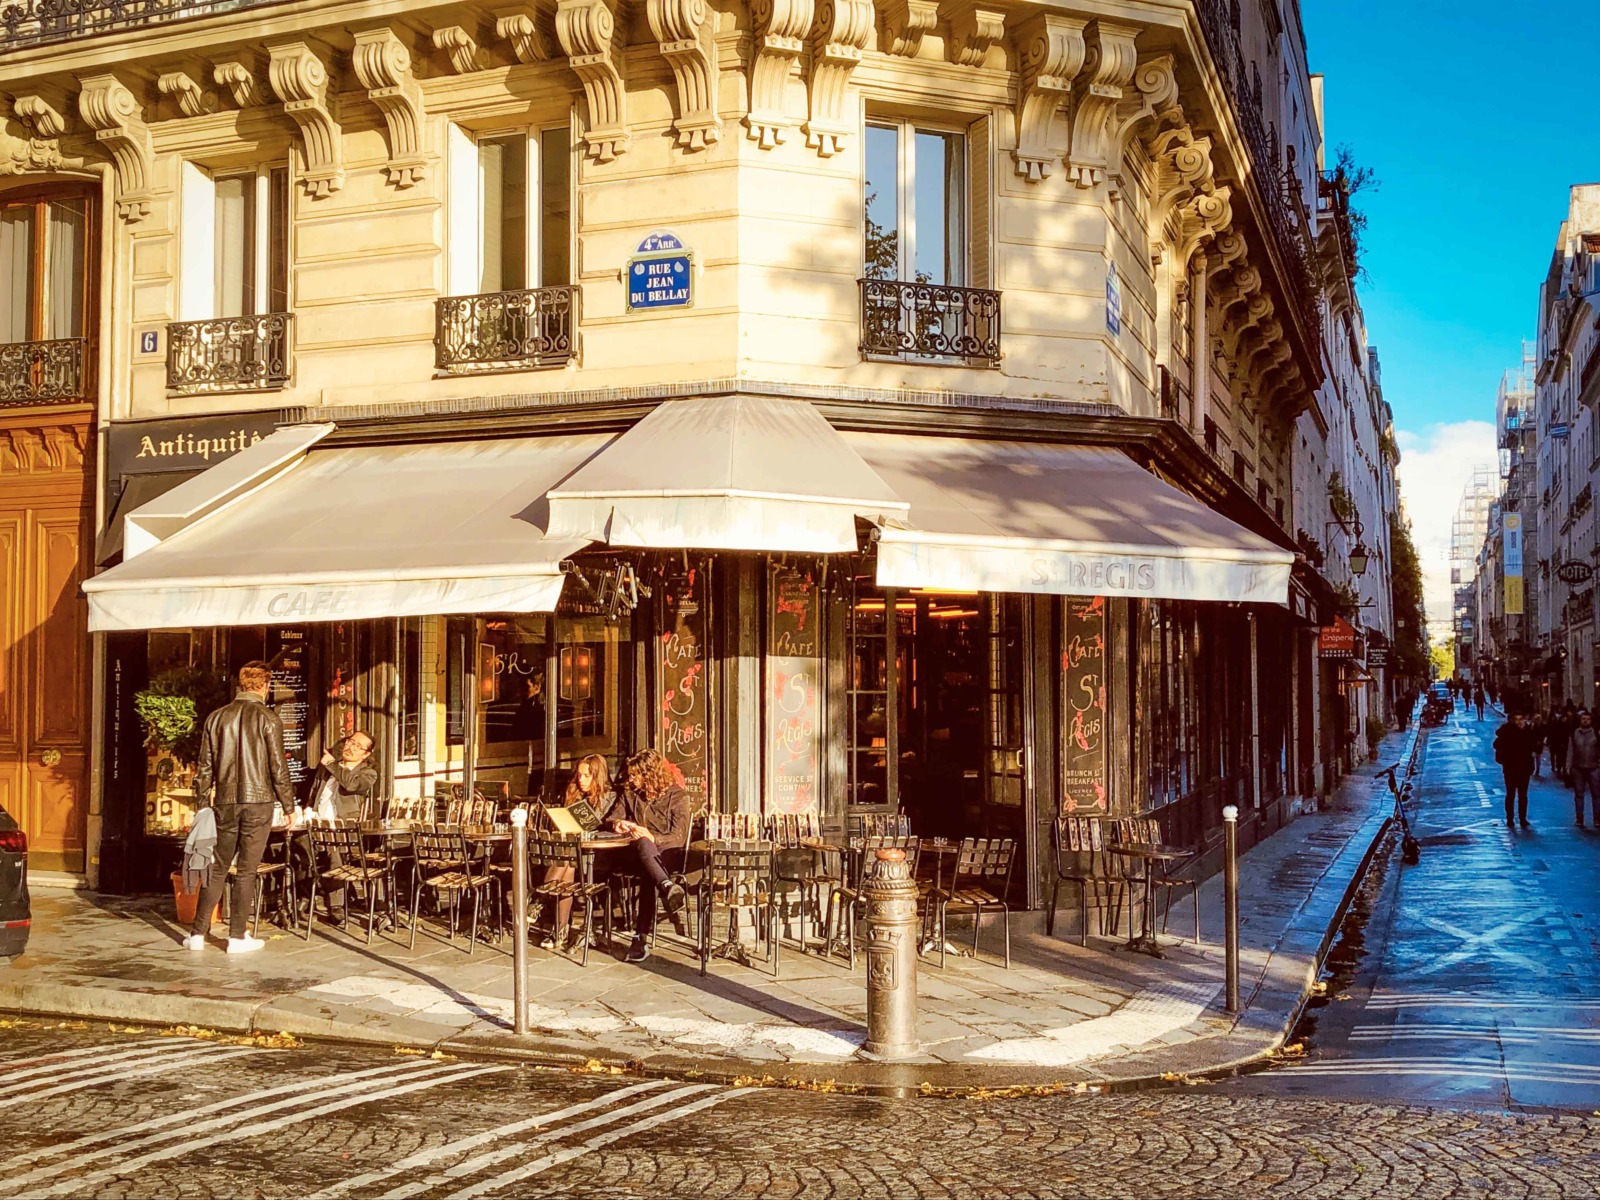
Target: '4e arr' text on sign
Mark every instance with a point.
(661, 274)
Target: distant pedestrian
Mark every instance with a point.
(1562, 723)
(1477, 699)
(1515, 745)
(1491, 690)
(242, 771)
(1583, 766)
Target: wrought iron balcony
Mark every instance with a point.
(505, 331)
(229, 354)
(34, 22)
(53, 372)
(929, 321)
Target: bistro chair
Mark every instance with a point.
(847, 895)
(338, 860)
(798, 868)
(277, 873)
(1168, 877)
(443, 863)
(738, 875)
(547, 851)
(980, 884)
(1079, 846)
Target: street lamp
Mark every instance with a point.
(1359, 554)
(1358, 558)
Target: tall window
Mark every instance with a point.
(916, 218)
(43, 268)
(510, 210)
(235, 242)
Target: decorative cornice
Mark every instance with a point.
(193, 99)
(239, 77)
(44, 449)
(587, 31)
(109, 108)
(42, 116)
(904, 24)
(973, 29)
(1153, 101)
(531, 30)
(1050, 52)
(780, 31)
(461, 48)
(841, 33)
(300, 79)
(686, 31)
(383, 65)
(1097, 93)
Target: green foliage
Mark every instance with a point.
(1376, 728)
(1410, 620)
(173, 706)
(1443, 658)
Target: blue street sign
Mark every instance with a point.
(1560, 430)
(1113, 300)
(661, 274)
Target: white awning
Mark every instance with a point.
(725, 473)
(1065, 520)
(345, 534)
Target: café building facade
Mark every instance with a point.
(872, 409)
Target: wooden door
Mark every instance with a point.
(46, 516)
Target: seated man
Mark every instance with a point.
(654, 812)
(343, 783)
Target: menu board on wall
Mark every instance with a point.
(1083, 691)
(681, 697)
(794, 700)
(291, 695)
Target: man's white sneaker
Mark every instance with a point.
(245, 944)
(195, 941)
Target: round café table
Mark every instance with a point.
(1144, 941)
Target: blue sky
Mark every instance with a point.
(1477, 118)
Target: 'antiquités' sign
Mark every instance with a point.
(186, 444)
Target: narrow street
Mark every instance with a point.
(1471, 981)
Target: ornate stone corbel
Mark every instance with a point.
(973, 29)
(41, 115)
(461, 48)
(1152, 99)
(300, 79)
(1199, 221)
(840, 34)
(239, 77)
(1183, 174)
(780, 32)
(383, 65)
(530, 28)
(904, 23)
(1097, 92)
(1228, 249)
(193, 99)
(1050, 50)
(587, 31)
(111, 110)
(686, 31)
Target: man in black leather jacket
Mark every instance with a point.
(243, 764)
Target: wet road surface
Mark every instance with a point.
(1469, 978)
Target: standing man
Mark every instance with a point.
(241, 757)
(1477, 700)
(1557, 730)
(1583, 766)
(1514, 748)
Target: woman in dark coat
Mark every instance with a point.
(655, 813)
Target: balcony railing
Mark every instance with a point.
(229, 354)
(505, 331)
(43, 372)
(930, 321)
(34, 22)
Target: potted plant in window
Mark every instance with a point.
(1376, 728)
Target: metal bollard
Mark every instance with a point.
(519, 919)
(1230, 901)
(891, 897)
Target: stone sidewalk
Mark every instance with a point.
(1064, 1014)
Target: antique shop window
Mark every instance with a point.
(916, 204)
(235, 228)
(510, 210)
(43, 268)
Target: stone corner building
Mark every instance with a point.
(921, 406)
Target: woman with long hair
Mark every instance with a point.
(655, 813)
(590, 781)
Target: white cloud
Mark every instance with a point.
(1435, 467)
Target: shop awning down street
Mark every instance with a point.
(276, 534)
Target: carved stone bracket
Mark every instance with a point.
(587, 31)
(840, 34)
(41, 149)
(1050, 51)
(42, 116)
(110, 109)
(780, 32)
(1097, 92)
(461, 48)
(1185, 203)
(904, 24)
(383, 65)
(240, 78)
(531, 30)
(1152, 101)
(686, 31)
(973, 29)
(194, 100)
(300, 79)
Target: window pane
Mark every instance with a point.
(504, 165)
(16, 273)
(410, 689)
(236, 259)
(938, 202)
(555, 206)
(883, 202)
(278, 241)
(64, 260)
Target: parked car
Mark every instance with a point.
(16, 911)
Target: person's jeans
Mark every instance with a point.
(242, 831)
(1517, 789)
(654, 867)
(1586, 779)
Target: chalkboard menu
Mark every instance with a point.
(681, 694)
(1083, 691)
(794, 701)
(291, 695)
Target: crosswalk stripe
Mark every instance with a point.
(423, 1157)
(8, 1066)
(59, 1072)
(299, 1093)
(1461, 1071)
(138, 1070)
(421, 1081)
(567, 1154)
